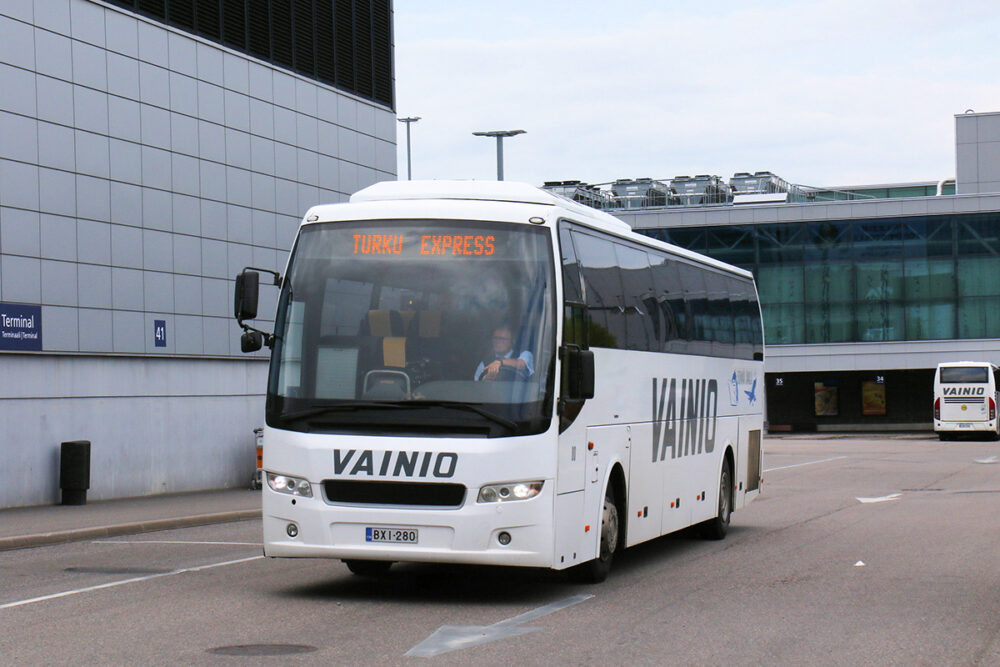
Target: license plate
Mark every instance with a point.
(965, 425)
(391, 535)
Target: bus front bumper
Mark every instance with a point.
(472, 533)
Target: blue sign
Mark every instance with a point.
(20, 327)
(160, 333)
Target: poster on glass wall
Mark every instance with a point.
(872, 398)
(826, 399)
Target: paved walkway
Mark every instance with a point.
(50, 524)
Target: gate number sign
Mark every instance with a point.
(160, 333)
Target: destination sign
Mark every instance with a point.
(428, 244)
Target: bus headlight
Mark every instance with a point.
(295, 486)
(502, 493)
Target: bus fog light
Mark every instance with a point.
(501, 493)
(292, 530)
(504, 538)
(295, 486)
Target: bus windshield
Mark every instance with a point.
(964, 374)
(415, 327)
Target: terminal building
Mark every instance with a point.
(864, 289)
(149, 150)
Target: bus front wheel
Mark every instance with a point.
(596, 571)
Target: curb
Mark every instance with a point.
(117, 530)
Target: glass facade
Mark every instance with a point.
(345, 43)
(881, 279)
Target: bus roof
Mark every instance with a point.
(500, 191)
(945, 364)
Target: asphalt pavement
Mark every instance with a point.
(23, 527)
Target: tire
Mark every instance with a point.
(716, 529)
(368, 568)
(943, 437)
(596, 571)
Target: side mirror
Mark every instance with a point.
(580, 375)
(246, 296)
(251, 341)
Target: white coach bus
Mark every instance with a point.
(484, 372)
(965, 399)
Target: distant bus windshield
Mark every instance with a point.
(964, 374)
(387, 325)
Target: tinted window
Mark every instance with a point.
(639, 298)
(603, 286)
(673, 320)
(570, 267)
(964, 374)
(696, 298)
(720, 313)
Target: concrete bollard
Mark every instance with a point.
(74, 471)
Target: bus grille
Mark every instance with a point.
(964, 399)
(427, 494)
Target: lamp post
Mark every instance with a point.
(499, 134)
(408, 121)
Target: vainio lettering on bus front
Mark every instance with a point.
(395, 464)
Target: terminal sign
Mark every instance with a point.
(20, 327)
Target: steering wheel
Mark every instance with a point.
(507, 374)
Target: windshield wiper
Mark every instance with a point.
(506, 423)
(317, 410)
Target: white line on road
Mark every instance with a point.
(237, 544)
(453, 637)
(807, 463)
(133, 580)
(880, 499)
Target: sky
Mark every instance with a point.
(824, 93)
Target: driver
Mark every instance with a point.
(521, 365)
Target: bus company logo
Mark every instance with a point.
(742, 378)
(684, 416)
(963, 391)
(395, 464)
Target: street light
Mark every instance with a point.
(409, 120)
(499, 134)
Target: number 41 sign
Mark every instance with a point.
(160, 333)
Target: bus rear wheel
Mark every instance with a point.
(368, 568)
(596, 571)
(716, 529)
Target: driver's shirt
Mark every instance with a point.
(526, 356)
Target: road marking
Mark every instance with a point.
(807, 463)
(454, 637)
(881, 499)
(112, 584)
(238, 544)
(992, 459)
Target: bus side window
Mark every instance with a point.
(570, 267)
(696, 301)
(720, 313)
(670, 299)
(603, 287)
(637, 283)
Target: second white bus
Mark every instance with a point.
(965, 399)
(625, 400)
